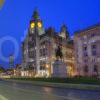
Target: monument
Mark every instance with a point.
(59, 67)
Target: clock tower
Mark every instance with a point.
(35, 30)
(35, 23)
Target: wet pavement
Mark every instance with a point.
(27, 91)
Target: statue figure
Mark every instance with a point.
(59, 54)
(59, 66)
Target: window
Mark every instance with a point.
(41, 52)
(86, 69)
(85, 48)
(85, 37)
(93, 60)
(44, 54)
(94, 53)
(85, 60)
(85, 54)
(95, 68)
(92, 35)
(93, 46)
(42, 67)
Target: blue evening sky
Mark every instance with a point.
(16, 14)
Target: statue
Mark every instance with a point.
(59, 67)
(59, 53)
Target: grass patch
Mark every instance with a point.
(80, 80)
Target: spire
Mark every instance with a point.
(64, 30)
(35, 14)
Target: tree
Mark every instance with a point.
(2, 69)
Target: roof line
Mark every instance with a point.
(90, 27)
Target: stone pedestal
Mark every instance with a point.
(59, 69)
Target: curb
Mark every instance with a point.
(60, 85)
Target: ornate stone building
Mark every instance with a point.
(39, 47)
(87, 51)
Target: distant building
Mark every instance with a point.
(39, 47)
(87, 51)
(11, 61)
(17, 70)
(2, 69)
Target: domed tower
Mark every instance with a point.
(35, 15)
(64, 32)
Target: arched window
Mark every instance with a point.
(95, 68)
(86, 69)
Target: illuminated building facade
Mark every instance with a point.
(17, 70)
(39, 47)
(87, 51)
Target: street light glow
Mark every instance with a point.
(1, 3)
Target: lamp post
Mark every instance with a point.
(35, 25)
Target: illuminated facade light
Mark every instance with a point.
(47, 66)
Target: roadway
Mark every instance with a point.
(27, 91)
